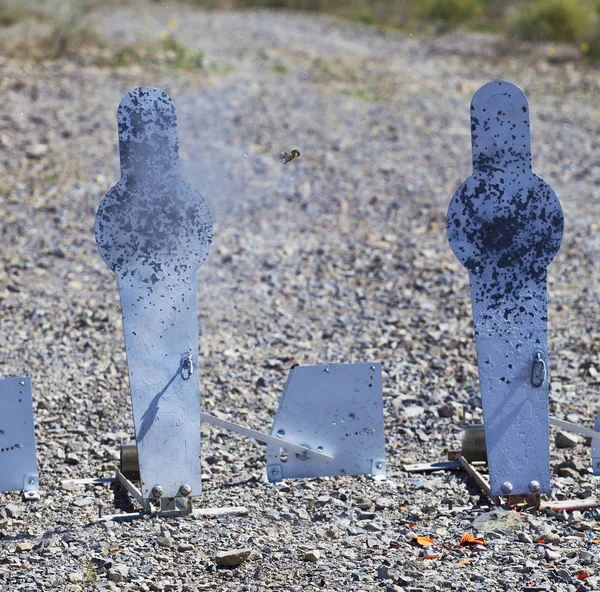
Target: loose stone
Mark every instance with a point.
(232, 557)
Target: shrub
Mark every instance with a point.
(555, 20)
(12, 12)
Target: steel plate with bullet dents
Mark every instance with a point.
(336, 409)
(505, 225)
(18, 463)
(154, 231)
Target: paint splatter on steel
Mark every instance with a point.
(505, 225)
(152, 225)
(154, 231)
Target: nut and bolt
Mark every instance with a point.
(379, 465)
(326, 370)
(275, 471)
(507, 487)
(185, 489)
(157, 490)
(534, 486)
(372, 368)
(22, 382)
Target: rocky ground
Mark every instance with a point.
(338, 256)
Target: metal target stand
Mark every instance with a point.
(341, 435)
(505, 225)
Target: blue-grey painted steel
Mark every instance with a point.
(336, 409)
(596, 448)
(18, 463)
(505, 225)
(154, 231)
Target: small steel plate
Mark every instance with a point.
(18, 463)
(596, 449)
(333, 408)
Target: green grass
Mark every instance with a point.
(90, 574)
(450, 14)
(281, 68)
(363, 94)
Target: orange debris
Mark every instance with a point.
(469, 539)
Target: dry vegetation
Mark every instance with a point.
(67, 30)
(42, 30)
(560, 21)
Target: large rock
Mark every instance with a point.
(232, 557)
(566, 440)
(498, 518)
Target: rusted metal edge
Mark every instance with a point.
(435, 466)
(570, 505)
(478, 478)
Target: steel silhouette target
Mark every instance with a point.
(505, 225)
(154, 231)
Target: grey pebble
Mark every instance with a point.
(12, 511)
(72, 458)
(313, 556)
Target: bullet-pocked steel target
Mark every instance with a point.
(505, 225)
(154, 231)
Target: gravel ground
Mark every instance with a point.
(338, 256)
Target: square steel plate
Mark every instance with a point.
(336, 409)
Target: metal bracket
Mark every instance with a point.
(31, 486)
(538, 370)
(274, 473)
(378, 469)
(31, 482)
(474, 445)
(178, 505)
(187, 366)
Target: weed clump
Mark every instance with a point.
(168, 51)
(449, 14)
